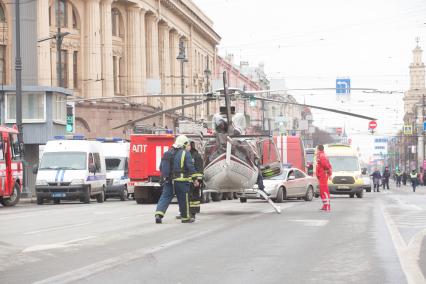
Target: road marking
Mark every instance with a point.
(57, 228)
(57, 245)
(312, 222)
(408, 255)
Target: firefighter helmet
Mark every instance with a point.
(181, 141)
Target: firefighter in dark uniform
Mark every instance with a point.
(195, 191)
(178, 171)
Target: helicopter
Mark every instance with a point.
(233, 159)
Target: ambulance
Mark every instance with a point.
(347, 177)
(116, 152)
(71, 168)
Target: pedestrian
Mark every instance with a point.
(376, 180)
(177, 170)
(386, 176)
(195, 191)
(398, 175)
(414, 177)
(323, 173)
(404, 178)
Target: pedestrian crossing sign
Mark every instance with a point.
(408, 129)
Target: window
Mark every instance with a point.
(2, 64)
(2, 15)
(115, 22)
(59, 108)
(75, 69)
(33, 107)
(63, 160)
(61, 13)
(97, 162)
(74, 19)
(115, 73)
(64, 66)
(299, 174)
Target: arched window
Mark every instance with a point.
(117, 23)
(61, 13)
(2, 14)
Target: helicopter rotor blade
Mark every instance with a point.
(161, 113)
(321, 108)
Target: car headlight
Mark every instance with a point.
(41, 182)
(77, 182)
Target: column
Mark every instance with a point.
(106, 40)
(92, 52)
(164, 44)
(134, 71)
(152, 58)
(43, 48)
(143, 55)
(174, 64)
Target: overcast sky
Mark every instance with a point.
(309, 43)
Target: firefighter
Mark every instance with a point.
(323, 172)
(177, 171)
(195, 191)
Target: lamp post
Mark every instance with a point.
(182, 58)
(18, 69)
(207, 74)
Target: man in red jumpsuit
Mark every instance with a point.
(323, 172)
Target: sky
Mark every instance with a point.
(309, 43)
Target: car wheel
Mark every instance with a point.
(86, 198)
(309, 194)
(351, 195)
(360, 194)
(101, 196)
(124, 194)
(56, 201)
(281, 195)
(14, 198)
(139, 200)
(216, 196)
(40, 201)
(243, 199)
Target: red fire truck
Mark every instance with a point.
(146, 151)
(11, 170)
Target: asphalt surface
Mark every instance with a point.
(377, 239)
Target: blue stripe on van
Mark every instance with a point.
(62, 175)
(57, 174)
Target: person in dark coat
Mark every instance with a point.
(386, 175)
(404, 178)
(376, 180)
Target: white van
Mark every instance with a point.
(116, 152)
(71, 169)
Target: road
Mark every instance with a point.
(377, 239)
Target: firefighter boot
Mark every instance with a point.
(190, 220)
(158, 219)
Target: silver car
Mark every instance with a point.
(291, 183)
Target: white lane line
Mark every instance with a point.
(114, 262)
(407, 255)
(57, 228)
(57, 245)
(312, 222)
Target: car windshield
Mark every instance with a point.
(115, 163)
(310, 157)
(344, 163)
(281, 176)
(63, 161)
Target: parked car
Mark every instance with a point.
(291, 183)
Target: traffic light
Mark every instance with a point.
(70, 118)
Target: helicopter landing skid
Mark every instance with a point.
(266, 197)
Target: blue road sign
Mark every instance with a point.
(343, 86)
(424, 125)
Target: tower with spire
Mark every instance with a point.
(417, 81)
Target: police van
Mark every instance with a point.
(116, 152)
(71, 168)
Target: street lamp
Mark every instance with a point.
(182, 58)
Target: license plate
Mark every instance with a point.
(58, 194)
(343, 187)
